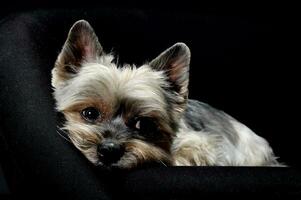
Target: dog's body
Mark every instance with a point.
(124, 117)
(222, 140)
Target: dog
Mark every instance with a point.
(124, 117)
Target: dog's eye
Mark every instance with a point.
(145, 125)
(90, 114)
(137, 125)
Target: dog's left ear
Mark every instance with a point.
(175, 63)
(82, 45)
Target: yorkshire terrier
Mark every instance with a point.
(127, 116)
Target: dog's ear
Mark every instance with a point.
(82, 45)
(175, 63)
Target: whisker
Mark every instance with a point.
(63, 136)
(163, 163)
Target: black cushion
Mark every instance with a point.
(227, 70)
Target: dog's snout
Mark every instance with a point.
(110, 151)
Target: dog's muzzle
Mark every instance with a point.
(110, 152)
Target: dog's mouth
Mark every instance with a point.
(132, 154)
(124, 162)
(129, 161)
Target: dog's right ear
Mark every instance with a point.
(82, 45)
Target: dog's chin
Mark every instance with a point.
(129, 166)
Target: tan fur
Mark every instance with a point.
(85, 138)
(72, 112)
(139, 152)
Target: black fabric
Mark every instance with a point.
(197, 182)
(232, 68)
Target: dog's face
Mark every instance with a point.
(119, 117)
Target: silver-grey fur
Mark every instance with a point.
(233, 143)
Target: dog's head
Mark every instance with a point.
(119, 116)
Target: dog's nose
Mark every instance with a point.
(110, 152)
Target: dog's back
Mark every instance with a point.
(208, 136)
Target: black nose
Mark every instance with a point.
(110, 152)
